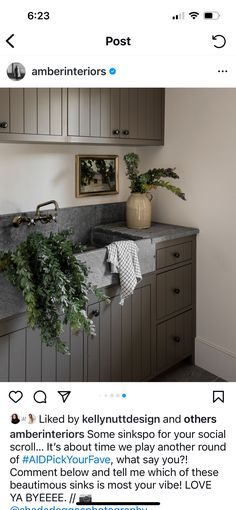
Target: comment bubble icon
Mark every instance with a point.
(40, 397)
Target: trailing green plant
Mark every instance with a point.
(144, 182)
(54, 284)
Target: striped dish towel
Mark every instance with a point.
(123, 257)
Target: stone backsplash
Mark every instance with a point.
(81, 219)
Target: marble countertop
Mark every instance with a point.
(157, 233)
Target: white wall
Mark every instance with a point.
(34, 173)
(200, 140)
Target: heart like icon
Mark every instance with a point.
(15, 396)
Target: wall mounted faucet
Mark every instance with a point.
(39, 216)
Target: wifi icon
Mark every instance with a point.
(194, 14)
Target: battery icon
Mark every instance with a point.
(211, 15)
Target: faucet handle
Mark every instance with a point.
(16, 221)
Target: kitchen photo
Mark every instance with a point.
(117, 235)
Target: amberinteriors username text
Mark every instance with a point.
(68, 71)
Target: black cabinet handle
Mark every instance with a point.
(3, 125)
(177, 291)
(176, 254)
(177, 339)
(116, 132)
(95, 313)
(125, 132)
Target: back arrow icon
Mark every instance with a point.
(8, 40)
(222, 43)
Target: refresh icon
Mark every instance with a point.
(221, 40)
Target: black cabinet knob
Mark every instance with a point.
(3, 125)
(176, 254)
(95, 313)
(177, 291)
(116, 132)
(125, 132)
(177, 339)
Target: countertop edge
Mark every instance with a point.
(172, 237)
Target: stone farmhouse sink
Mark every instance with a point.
(95, 257)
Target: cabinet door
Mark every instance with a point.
(174, 291)
(98, 356)
(116, 116)
(174, 341)
(93, 114)
(122, 349)
(24, 358)
(142, 318)
(32, 114)
(142, 115)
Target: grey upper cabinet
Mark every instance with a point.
(33, 115)
(93, 116)
(116, 116)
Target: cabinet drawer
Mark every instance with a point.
(174, 340)
(174, 290)
(173, 254)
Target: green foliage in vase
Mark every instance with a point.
(144, 182)
(54, 285)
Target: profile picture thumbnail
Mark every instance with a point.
(30, 418)
(15, 418)
(16, 71)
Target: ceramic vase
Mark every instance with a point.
(138, 210)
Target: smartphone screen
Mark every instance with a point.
(117, 270)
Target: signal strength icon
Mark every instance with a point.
(194, 14)
(179, 16)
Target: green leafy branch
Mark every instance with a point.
(54, 285)
(143, 182)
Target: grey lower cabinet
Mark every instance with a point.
(24, 358)
(33, 115)
(175, 302)
(93, 116)
(174, 340)
(121, 350)
(151, 332)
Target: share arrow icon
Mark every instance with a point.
(64, 395)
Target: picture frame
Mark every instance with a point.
(96, 175)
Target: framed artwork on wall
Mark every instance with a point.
(96, 175)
